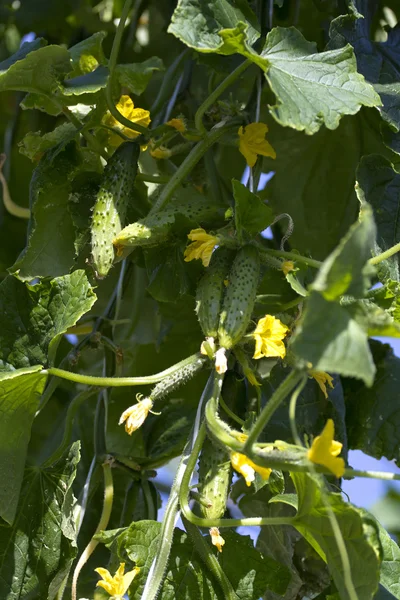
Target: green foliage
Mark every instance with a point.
(322, 80)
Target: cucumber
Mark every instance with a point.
(239, 297)
(157, 228)
(210, 291)
(111, 204)
(177, 379)
(215, 475)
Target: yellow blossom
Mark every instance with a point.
(221, 363)
(287, 266)
(252, 142)
(136, 415)
(216, 538)
(268, 335)
(137, 115)
(322, 379)
(201, 247)
(161, 152)
(118, 585)
(325, 450)
(247, 468)
(178, 124)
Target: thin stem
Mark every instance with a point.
(386, 476)
(198, 118)
(188, 164)
(293, 256)
(273, 404)
(104, 519)
(14, 209)
(292, 410)
(385, 255)
(230, 413)
(152, 178)
(91, 140)
(210, 560)
(167, 82)
(120, 381)
(151, 509)
(111, 65)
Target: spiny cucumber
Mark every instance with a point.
(159, 227)
(215, 475)
(111, 204)
(175, 380)
(210, 291)
(239, 297)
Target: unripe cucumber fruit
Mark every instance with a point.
(111, 204)
(210, 291)
(239, 297)
(157, 228)
(177, 379)
(215, 475)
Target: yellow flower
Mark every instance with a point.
(287, 266)
(161, 152)
(247, 468)
(322, 379)
(118, 585)
(269, 334)
(136, 415)
(325, 450)
(252, 142)
(137, 115)
(221, 363)
(201, 247)
(178, 124)
(216, 538)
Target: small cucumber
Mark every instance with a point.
(239, 297)
(210, 291)
(177, 379)
(215, 475)
(111, 204)
(159, 227)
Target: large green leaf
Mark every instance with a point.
(186, 577)
(50, 251)
(198, 24)
(379, 185)
(37, 550)
(251, 214)
(34, 144)
(20, 392)
(88, 54)
(329, 335)
(313, 88)
(34, 69)
(136, 76)
(390, 568)
(375, 428)
(33, 317)
(359, 535)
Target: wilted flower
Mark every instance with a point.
(322, 379)
(136, 415)
(216, 538)
(246, 467)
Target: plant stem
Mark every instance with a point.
(198, 118)
(152, 178)
(91, 140)
(111, 65)
(210, 560)
(384, 475)
(292, 410)
(190, 161)
(167, 81)
(104, 519)
(272, 405)
(385, 255)
(120, 381)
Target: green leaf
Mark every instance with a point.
(319, 194)
(359, 535)
(346, 270)
(379, 185)
(251, 214)
(90, 83)
(88, 54)
(35, 70)
(198, 24)
(37, 551)
(186, 577)
(313, 88)
(49, 198)
(390, 568)
(19, 399)
(376, 428)
(34, 144)
(33, 317)
(136, 76)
